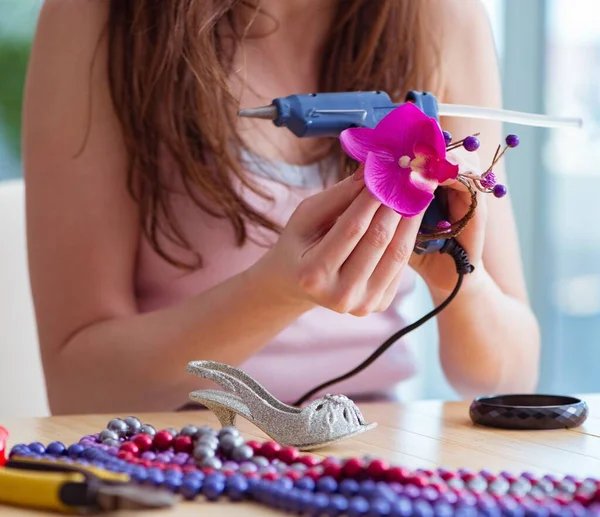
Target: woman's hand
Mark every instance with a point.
(439, 271)
(341, 250)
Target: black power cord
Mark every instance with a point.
(463, 267)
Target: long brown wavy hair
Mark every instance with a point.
(170, 62)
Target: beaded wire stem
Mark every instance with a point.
(485, 183)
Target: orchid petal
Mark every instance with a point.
(403, 119)
(443, 171)
(424, 149)
(392, 186)
(431, 133)
(410, 125)
(398, 131)
(439, 169)
(358, 141)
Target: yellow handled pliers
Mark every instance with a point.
(54, 486)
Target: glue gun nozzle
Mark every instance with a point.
(264, 112)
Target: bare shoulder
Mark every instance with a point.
(78, 22)
(468, 58)
(463, 19)
(67, 42)
(470, 74)
(74, 10)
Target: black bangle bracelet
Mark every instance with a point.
(531, 412)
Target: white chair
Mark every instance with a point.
(22, 385)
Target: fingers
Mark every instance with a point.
(396, 256)
(455, 185)
(355, 265)
(371, 248)
(383, 283)
(390, 293)
(324, 208)
(340, 241)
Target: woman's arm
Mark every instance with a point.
(99, 355)
(489, 337)
(341, 249)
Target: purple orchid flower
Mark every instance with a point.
(404, 157)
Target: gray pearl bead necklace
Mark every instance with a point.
(118, 426)
(202, 452)
(241, 453)
(108, 434)
(189, 430)
(119, 429)
(147, 429)
(211, 446)
(133, 425)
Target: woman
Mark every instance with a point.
(155, 214)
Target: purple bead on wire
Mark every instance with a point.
(471, 143)
(500, 191)
(443, 225)
(512, 140)
(488, 181)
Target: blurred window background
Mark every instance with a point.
(17, 23)
(549, 53)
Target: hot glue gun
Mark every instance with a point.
(328, 114)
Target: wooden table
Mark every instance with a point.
(423, 434)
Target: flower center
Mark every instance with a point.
(418, 164)
(404, 162)
(419, 169)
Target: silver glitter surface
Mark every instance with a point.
(324, 421)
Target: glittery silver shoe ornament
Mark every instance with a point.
(324, 421)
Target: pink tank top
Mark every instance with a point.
(321, 344)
